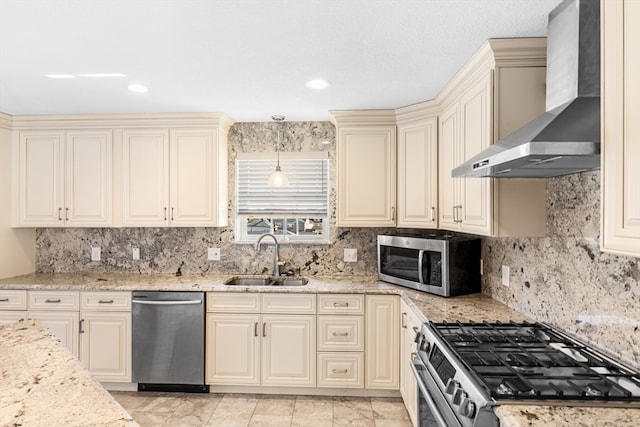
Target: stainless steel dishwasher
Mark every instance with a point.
(168, 341)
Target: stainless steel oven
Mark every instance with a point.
(444, 265)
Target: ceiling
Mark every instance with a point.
(247, 58)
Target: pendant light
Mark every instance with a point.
(278, 178)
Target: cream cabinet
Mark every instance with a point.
(409, 325)
(341, 340)
(620, 146)
(13, 306)
(382, 348)
(173, 177)
(417, 171)
(481, 105)
(63, 178)
(366, 168)
(59, 311)
(105, 335)
(267, 339)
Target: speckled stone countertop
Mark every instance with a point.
(43, 384)
(475, 307)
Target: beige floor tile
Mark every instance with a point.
(129, 400)
(275, 405)
(234, 410)
(195, 410)
(352, 411)
(382, 422)
(312, 411)
(149, 419)
(270, 421)
(389, 408)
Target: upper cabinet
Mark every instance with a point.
(122, 170)
(366, 168)
(620, 146)
(417, 161)
(63, 178)
(173, 177)
(482, 104)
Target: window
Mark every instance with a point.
(297, 213)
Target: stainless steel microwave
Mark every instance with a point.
(444, 265)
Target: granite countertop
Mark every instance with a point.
(476, 307)
(43, 384)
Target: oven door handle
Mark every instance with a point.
(433, 407)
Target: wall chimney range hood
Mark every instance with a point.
(566, 138)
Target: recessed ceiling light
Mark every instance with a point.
(317, 84)
(60, 76)
(103, 75)
(138, 88)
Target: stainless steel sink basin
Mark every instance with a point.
(266, 281)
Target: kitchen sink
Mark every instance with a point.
(266, 281)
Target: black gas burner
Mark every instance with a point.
(534, 361)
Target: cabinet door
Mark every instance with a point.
(233, 349)
(620, 222)
(418, 174)
(382, 342)
(366, 176)
(105, 345)
(289, 350)
(194, 175)
(408, 384)
(145, 177)
(475, 136)
(40, 191)
(88, 179)
(448, 187)
(63, 324)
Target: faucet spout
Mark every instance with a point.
(276, 262)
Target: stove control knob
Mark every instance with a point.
(467, 408)
(424, 345)
(418, 337)
(452, 385)
(458, 396)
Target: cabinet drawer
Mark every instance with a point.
(106, 301)
(345, 370)
(340, 304)
(54, 300)
(229, 302)
(13, 300)
(289, 303)
(341, 333)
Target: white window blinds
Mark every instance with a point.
(307, 193)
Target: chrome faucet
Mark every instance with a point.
(276, 262)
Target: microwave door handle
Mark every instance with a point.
(420, 258)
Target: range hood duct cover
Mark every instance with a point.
(566, 138)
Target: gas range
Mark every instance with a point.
(469, 368)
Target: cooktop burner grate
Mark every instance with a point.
(533, 361)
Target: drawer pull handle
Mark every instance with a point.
(4, 300)
(341, 304)
(51, 301)
(81, 324)
(105, 301)
(339, 371)
(341, 334)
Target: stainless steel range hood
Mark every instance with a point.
(566, 138)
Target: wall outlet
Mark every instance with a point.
(350, 255)
(505, 276)
(95, 254)
(213, 254)
(135, 253)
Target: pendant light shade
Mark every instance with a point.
(278, 178)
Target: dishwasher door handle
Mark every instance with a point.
(167, 302)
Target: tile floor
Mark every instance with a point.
(151, 409)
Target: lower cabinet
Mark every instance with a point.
(276, 348)
(382, 342)
(105, 335)
(94, 326)
(409, 324)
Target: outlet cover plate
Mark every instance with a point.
(505, 275)
(135, 253)
(95, 254)
(213, 254)
(350, 255)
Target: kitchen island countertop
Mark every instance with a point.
(476, 307)
(43, 384)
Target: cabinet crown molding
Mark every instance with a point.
(362, 117)
(6, 121)
(94, 121)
